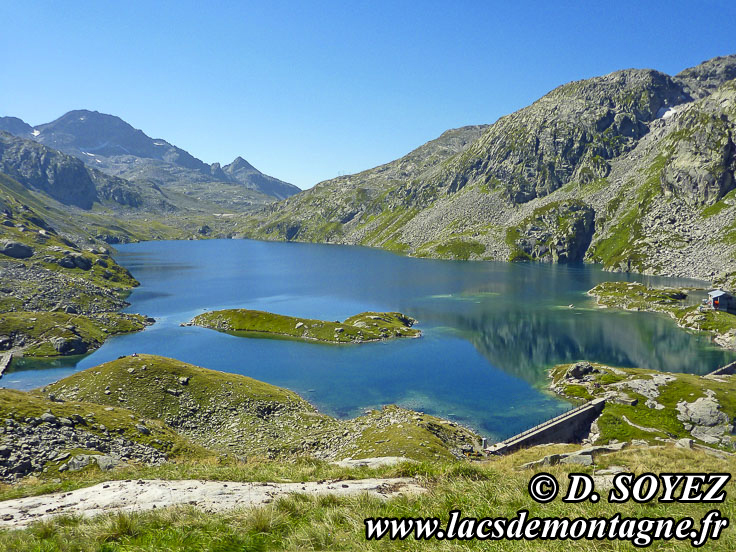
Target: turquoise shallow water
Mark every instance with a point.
(490, 329)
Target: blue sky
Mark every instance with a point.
(309, 90)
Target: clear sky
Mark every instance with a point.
(309, 90)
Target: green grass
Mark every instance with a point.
(366, 326)
(141, 382)
(635, 296)
(40, 328)
(236, 414)
(719, 322)
(724, 203)
(460, 249)
(301, 522)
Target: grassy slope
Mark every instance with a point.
(241, 415)
(39, 282)
(495, 489)
(367, 326)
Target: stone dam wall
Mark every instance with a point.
(570, 427)
(726, 370)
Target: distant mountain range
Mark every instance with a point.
(109, 144)
(634, 170)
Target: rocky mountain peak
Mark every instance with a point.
(705, 78)
(239, 164)
(108, 143)
(16, 126)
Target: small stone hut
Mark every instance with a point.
(721, 300)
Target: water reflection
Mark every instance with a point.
(490, 329)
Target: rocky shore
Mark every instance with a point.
(638, 297)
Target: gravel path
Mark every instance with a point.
(211, 496)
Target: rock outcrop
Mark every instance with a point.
(15, 249)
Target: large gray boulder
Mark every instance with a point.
(73, 346)
(15, 249)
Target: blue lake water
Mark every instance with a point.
(490, 330)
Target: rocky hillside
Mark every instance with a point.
(108, 143)
(67, 179)
(237, 414)
(652, 406)
(634, 170)
(56, 297)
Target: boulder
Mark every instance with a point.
(66, 262)
(579, 459)
(580, 369)
(15, 249)
(73, 346)
(49, 418)
(80, 461)
(704, 411)
(107, 463)
(82, 262)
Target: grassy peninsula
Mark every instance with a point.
(236, 414)
(363, 327)
(47, 334)
(638, 297)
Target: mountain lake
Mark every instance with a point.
(490, 329)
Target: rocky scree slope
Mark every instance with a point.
(606, 169)
(44, 435)
(108, 143)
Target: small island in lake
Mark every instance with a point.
(366, 326)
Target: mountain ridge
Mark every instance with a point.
(566, 179)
